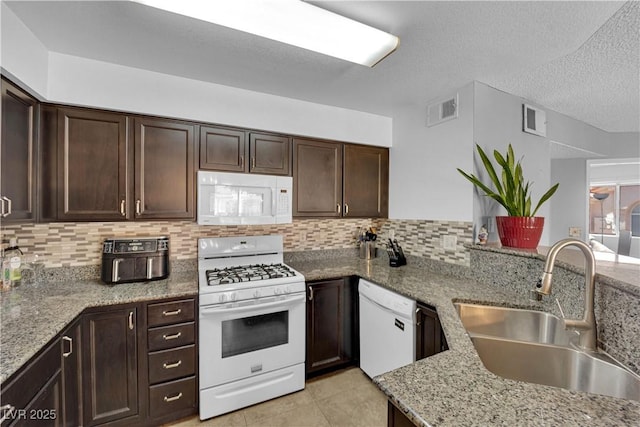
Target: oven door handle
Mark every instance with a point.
(281, 303)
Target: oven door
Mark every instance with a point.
(240, 340)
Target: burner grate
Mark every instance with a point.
(247, 273)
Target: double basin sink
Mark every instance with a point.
(533, 346)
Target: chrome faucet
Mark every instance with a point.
(587, 325)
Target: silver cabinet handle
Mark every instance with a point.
(172, 313)
(166, 365)
(131, 325)
(2, 212)
(70, 341)
(242, 162)
(123, 205)
(310, 293)
(115, 274)
(7, 411)
(339, 207)
(253, 163)
(346, 209)
(138, 204)
(418, 323)
(168, 337)
(149, 268)
(173, 398)
(8, 212)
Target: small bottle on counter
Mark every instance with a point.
(12, 256)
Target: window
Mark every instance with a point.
(602, 215)
(613, 208)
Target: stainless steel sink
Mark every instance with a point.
(515, 324)
(557, 366)
(533, 346)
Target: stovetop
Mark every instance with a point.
(247, 273)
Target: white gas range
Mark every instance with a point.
(252, 323)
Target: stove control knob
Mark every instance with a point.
(223, 298)
(277, 291)
(256, 294)
(233, 296)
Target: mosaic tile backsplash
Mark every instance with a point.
(67, 244)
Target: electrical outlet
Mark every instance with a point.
(449, 242)
(575, 232)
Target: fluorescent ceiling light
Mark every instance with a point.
(293, 22)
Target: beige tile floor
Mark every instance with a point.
(344, 398)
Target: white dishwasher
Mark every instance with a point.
(387, 329)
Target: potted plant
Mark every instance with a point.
(521, 228)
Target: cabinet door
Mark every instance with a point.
(269, 154)
(110, 372)
(71, 342)
(317, 178)
(93, 165)
(18, 155)
(329, 324)
(429, 337)
(33, 395)
(164, 169)
(366, 181)
(223, 149)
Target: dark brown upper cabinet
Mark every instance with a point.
(332, 179)
(317, 178)
(106, 166)
(17, 193)
(234, 150)
(366, 181)
(93, 165)
(164, 169)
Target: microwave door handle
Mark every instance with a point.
(149, 268)
(282, 303)
(115, 276)
(274, 199)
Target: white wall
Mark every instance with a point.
(423, 181)
(23, 57)
(80, 81)
(568, 207)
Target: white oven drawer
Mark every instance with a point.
(244, 340)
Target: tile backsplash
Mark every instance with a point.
(80, 243)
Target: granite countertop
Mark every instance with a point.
(453, 388)
(450, 388)
(31, 315)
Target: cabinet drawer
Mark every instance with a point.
(171, 336)
(171, 364)
(166, 313)
(172, 397)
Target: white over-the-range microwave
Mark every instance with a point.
(237, 198)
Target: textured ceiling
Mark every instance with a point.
(578, 58)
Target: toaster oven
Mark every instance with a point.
(135, 259)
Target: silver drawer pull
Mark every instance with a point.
(173, 398)
(172, 313)
(166, 365)
(167, 337)
(70, 341)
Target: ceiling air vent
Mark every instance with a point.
(442, 110)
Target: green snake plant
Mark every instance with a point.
(511, 191)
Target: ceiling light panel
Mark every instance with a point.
(292, 22)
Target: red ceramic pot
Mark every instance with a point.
(520, 231)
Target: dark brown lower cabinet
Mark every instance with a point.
(71, 342)
(396, 418)
(33, 396)
(110, 366)
(429, 335)
(331, 325)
